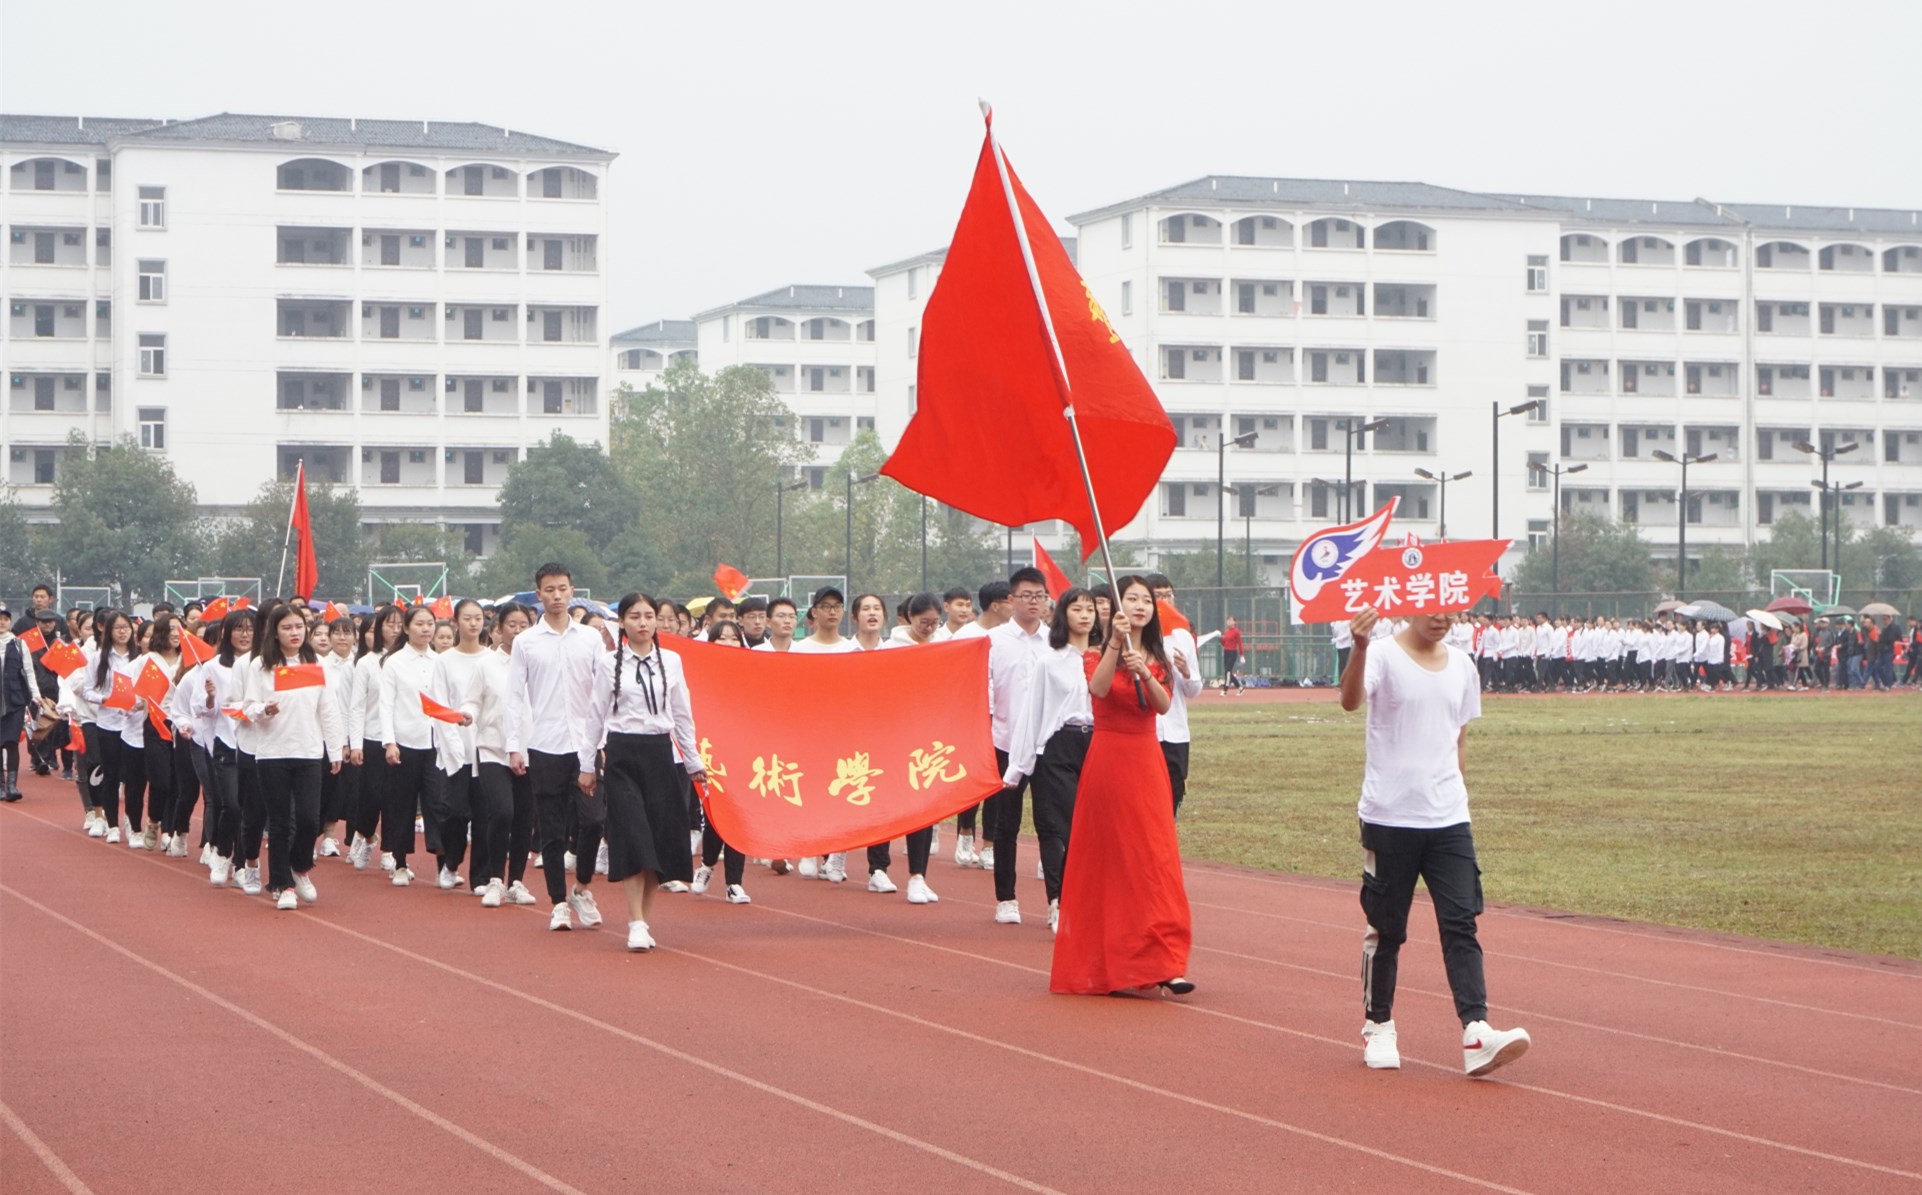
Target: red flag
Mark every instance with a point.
(306, 566)
(33, 639)
(76, 738)
(152, 683)
(64, 659)
(331, 613)
(872, 746)
(439, 712)
(196, 650)
(299, 676)
(160, 726)
(236, 713)
(732, 581)
(988, 434)
(121, 696)
(1173, 620)
(215, 610)
(241, 603)
(1058, 582)
(400, 600)
(443, 607)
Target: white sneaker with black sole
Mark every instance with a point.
(1485, 1048)
(1379, 1051)
(878, 881)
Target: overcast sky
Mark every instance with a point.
(768, 143)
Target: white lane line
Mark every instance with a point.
(44, 1152)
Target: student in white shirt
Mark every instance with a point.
(117, 649)
(1016, 648)
(476, 795)
(339, 791)
(642, 716)
(824, 625)
(1421, 695)
(1052, 734)
(923, 626)
(233, 787)
(781, 620)
(509, 621)
(365, 751)
(407, 742)
(298, 732)
(1184, 685)
(996, 608)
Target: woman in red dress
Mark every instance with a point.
(1124, 910)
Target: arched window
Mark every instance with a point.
(1264, 232)
(562, 182)
(484, 180)
(1333, 232)
(47, 174)
(313, 174)
(397, 178)
(1405, 236)
(1190, 228)
(1782, 255)
(1647, 251)
(1710, 252)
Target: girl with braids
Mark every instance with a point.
(117, 647)
(365, 752)
(219, 693)
(297, 733)
(477, 792)
(641, 715)
(407, 742)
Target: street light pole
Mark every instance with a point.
(1555, 545)
(1681, 515)
(1350, 431)
(1825, 455)
(1248, 531)
(1495, 463)
(781, 490)
(853, 481)
(1245, 440)
(1442, 479)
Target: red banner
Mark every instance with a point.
(1338, 572)
(860, 748)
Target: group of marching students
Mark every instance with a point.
(477, 735)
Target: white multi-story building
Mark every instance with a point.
(402, 305)
(1273, 315)
(643, 354)
(816, 344)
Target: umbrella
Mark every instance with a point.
(1788, 605)
(1665, 607)
(1713, 611)
(1766, 619)
(1881, 610)
(1838, 612)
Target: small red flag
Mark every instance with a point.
(732, 581)
(331, 613)
(1173, 620)
(214, 611)
(306, 566)
(152, 683)
(1058, 582)
(76, 738)
(443, 607)
(400, 600)
(236, 713)
(121, 696)
(159, 723)
(196, 650)
(242, 603)
(64, 659)
(988, 434)
(299, 676)
(33, 639)
(439, 712)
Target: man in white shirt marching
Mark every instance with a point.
(1184, 685)
(1016, 648)
(550, 683)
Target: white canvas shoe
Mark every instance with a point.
(492, 893)
(878, 881)
(919, 893)
(1007, 912)
(1485, 1048)
(702, 875)
(1380, 1051)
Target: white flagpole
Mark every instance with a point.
(300, 480)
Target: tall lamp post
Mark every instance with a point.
(1555, 560)
(852, 482)
(1825, 455)
(1495, 464)
(1248, 525)
(1681, 514)
(1348, 467)
(1245, 440)
(781, 491)
(1829, 490)
(1442, 479)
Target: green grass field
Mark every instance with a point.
(1785, 818)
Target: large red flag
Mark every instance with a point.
(988, 433)
(121, 695)
(306, 566)
(1058, 582)
(871, 745)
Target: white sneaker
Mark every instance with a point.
(304, 888)
(359, 853)
(207, 855)
(222, 868)
(449, 879)
(250, 880)
(1007, 912)
(1380, 1053)
(562, 919)
(674, 886)
(919, 893)
(329, 848)
(810, 868)
(517, 894)
(835, 871)
(583, 903)
(137, 841)
(403, 876)
(638, 939)
(964, 850)
(1485, 1048)
(387, 861)
(113, 836)
(1054, 916)
(420, 825)
(702, 875)
(986, 859)
(737, 895)
(600, 859)
(567, 862)
(285, 901)
(177, 849)
(878, 881)
(934, 840)
(96, 826)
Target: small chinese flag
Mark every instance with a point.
(214, 611)
(76, 738)
(152, 683)
(400, 600)
(732, 581)
(1058, 582)
(443, 607)
(33, 639)
(242, 603)
(159, 723)
(299, 676)
(195, 649)
(236, 713)
(331, 613)
(439, 712)
(1173, 620)
(64, 659)
(121, 697)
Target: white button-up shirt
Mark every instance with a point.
(1012, 655)
(403, 678)
(550, 686)
(653, 700)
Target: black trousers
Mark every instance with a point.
(557, 795)
(338, 793)
(520, 835)
(482, 800)
(253, 809)
(1057, 775)
(1393, 858)
(920, 846)
(290, 789)
(89, 762)
(203, 766)
(160, 778)
(186, 789)
(1176, 757)
(413, 787)
(223, 797)
(372, 794)
(714, 848)
(1006, 807)
(133, 782)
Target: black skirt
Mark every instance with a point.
(646, 811)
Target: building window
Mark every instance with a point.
(153, 428)
(1537, 275)
(727, 322)
(1538, 470)
(153, 282)
(914, 341)
(153, 355)
(1538, 338)
(914, 283)
(910, 400)
(153, 207)
(1540, 413)
(1175, 500)
(1127, 298)
(1127, 230)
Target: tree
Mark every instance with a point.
(564, 483)
(250, 545)
(1598, 555)
(124, 518)
(1196, 569)
(511, 568)
(1883, 560)
(1718, 570)
(21, 563)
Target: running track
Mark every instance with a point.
(158, 1035)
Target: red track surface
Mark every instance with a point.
(156, 1034)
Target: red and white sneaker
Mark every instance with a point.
(1485, 1048)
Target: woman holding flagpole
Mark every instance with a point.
(1124, 921)
(298, 732)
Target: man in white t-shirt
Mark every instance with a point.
(781, 621)
(1421, 695)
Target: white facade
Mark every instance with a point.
(403, 306)
(1293, 309)
(639, 356)
(817, 344)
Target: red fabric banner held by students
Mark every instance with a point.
(865, 746)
